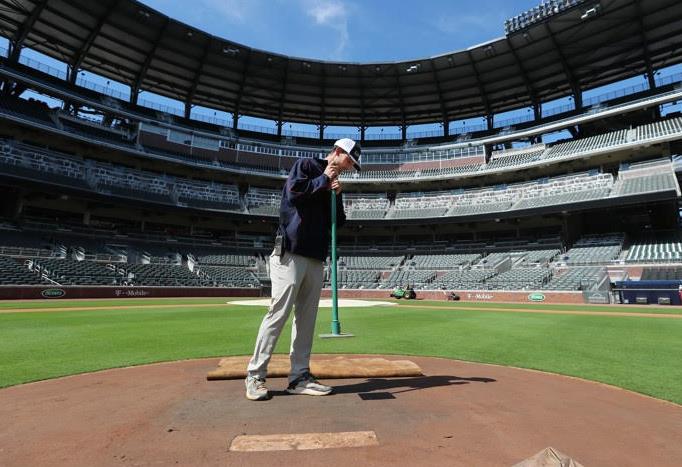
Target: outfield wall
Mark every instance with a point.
(54, 293)
(471, 295)
(67, 292)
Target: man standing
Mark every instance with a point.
(297, 265)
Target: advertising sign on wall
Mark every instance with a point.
(536, 297)
(53, 293)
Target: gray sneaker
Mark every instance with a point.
(255, 388)
(308, 384)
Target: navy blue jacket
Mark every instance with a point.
(305, 212)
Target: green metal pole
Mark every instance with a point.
(336, 325)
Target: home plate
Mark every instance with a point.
(303, 441)
(324, 303)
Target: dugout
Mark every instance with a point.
(663, 292)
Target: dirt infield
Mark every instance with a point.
(459, 414)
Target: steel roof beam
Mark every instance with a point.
(197, 76)
(240, 93)
(524, 74)
(401, 103)
(363, 119)
(385, 94)
(441, 100)
(17, 42)
(572, 82)
(80, 56)
(282, 97)
(323, 88)
(645, 48)
(135, 89)
(481, 90)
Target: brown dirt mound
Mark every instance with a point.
(458, 414)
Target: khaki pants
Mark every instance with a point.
(297, 283)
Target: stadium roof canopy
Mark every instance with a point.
(563, 55)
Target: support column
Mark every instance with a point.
(487, 152)
(134, 94)
(71, 76)
(12, 53)
(537, 110)
(651, 78)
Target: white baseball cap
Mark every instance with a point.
(352, 148)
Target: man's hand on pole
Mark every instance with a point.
(332, 171)
(336, 185)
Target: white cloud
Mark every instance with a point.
(325, 12)
(235, 11)
(333, 14)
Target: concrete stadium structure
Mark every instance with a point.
(105, 195)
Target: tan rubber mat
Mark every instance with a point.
(321, 367)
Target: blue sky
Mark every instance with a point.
(347, 30)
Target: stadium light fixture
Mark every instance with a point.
(544, 10)
(413, 68)
(230, 51)
(590, 12)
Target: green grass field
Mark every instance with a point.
(637, 353)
